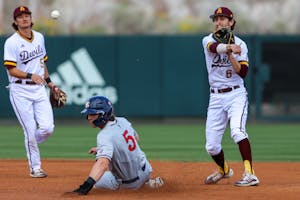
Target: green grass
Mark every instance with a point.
(270, 142)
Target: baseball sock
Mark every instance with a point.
(245, 149)
(220, 161)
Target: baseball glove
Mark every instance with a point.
(224, 35)
(58, 98)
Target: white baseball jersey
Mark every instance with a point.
(116, 142)
(231, 105)
(29, 101)
(220, 71)
(27, 55)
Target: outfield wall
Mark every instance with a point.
(144, 76)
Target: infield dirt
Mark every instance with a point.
(183, 180)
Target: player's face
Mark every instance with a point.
(23, 21)
(92, 118)
(222, 22)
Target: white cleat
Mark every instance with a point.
(38, 173)
(247, 180)
(155, 183)
(217, 176)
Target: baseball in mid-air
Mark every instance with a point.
(55, 14)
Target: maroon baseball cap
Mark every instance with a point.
(222, 11)
(20, 10)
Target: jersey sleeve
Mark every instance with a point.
(104, 147)
(243, 58)
(10, 58)
(44, 45)
(206, 42)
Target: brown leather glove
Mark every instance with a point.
(58, 98)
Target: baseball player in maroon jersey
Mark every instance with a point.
(227, 66)
(24, 59)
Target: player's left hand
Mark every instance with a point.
(80, 191)
(58, 97)
(224, 36)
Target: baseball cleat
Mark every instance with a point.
(247, 180)
(38, 173)
(217, 176)
(155, 183)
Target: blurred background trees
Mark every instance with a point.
(154, 16)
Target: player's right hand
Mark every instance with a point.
(93, 151)
(37, 79)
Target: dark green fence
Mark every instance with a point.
(147, 76)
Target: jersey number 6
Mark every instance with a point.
(129, 138)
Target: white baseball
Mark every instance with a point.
(55, 14)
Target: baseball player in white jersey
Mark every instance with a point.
(120, 162)
(227, 65)
(24, 58)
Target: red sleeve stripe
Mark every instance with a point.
(10, 63)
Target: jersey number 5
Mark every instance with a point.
(128, 138)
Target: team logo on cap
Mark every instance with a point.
(219, 11)
(87, 105)
(22, 9)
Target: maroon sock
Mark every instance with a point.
(219, 159)
(245, 149)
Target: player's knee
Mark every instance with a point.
(47, 130)
(213, 149)
(238, 134)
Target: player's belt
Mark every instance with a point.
(134, 179)
(26, 82)
(224, 90)
(130, 180)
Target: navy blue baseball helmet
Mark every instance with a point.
(99, 105)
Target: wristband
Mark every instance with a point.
(29, 75)
(48, 80)
(222, 48)
(86, 186)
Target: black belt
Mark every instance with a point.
(224, 90)
(26, 82)
(133, 179)
(130, 180)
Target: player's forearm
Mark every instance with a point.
(100, 166)
(13, 71)
(235, 64)
(47, 77)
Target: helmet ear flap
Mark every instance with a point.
(98, 122)
(101, 120)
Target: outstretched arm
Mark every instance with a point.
(98, 169)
